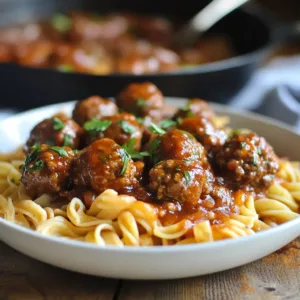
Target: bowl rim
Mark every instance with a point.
(159, 249)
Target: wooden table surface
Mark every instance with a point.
(276, 276)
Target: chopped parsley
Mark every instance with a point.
(155, 129)
(94, 126)
(65, 68)
(179, 120)
(165, 124)
(60, 151)
(125, 158)
(187, 162)
(140, 120)
(58, 124)
(126, 127)
(67, 140)
(38, 166)
(188, 177)
(152, 150)
(255, 162)
(190, 114)
(33, 154)
(129, 148)
(243, 145)
(259, 152)
(102, 156)
(141, 102)
(61, 23)
(178, 169)
(75, 151)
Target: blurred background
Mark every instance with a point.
(53, 51)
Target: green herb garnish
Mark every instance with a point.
(140, 120)
(38, 166)
(259, 151)
(155, 129)
(60, 151)
(129, 148)
(94, 126)
(125, 158)
(33, 154)
(188, 177)
(75, 151)
(141, 102)
(126, 127)
(61, 23)
(190, 114)
(243, 145)
(255, 162)
(165, 124)
(152, 150)
(58, 124)
(65, 68)
(178, 169)
(67, 140)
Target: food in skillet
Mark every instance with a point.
(136, 173)
(102, 44)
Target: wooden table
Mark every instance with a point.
(276, 276)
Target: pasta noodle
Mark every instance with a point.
(122, 220)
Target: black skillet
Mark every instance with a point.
(24, 88)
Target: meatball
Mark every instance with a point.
(247, 159)
(176, 144)
(204, 131)
(46, 169)
(141, 99)
(121, 128)
(195, 108)
(89, 57)
(36, 54)
(104, 165)
(58, 130)
(93, 107)
(177, 180)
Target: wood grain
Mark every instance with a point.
(276, 276)
(23, 278)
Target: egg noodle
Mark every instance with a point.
(123, 220)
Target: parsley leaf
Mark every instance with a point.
(188, 177)
(140, 120)
(190, 114)
(61, 23)
(126, 127)
(58, 124)
(38, 166)
(141, 102)
(155, 129)
(60, 151)
(129, 148)
(65, 68)
(152, 150)
(255, 162)
(243, 145)
(259, 151)
(67, 140)
(94, 126)
(125, 158)
(33, 154)
(165, 124)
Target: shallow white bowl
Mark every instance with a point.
(151, 262)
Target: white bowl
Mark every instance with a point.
(151, 262)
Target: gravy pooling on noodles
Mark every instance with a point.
(137, 172)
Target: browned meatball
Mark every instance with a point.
(87, 26)
(141, 99)
(177, 180)
(58, 130)
(104, 165)
(121, 128)
(247, 159)
(36, 54)
(195, 108)
(93, 107)
(46, 169)
(90, 57)
(5, 53)
(176, 144)
(204, 131)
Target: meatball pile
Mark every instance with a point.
(132, 147)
